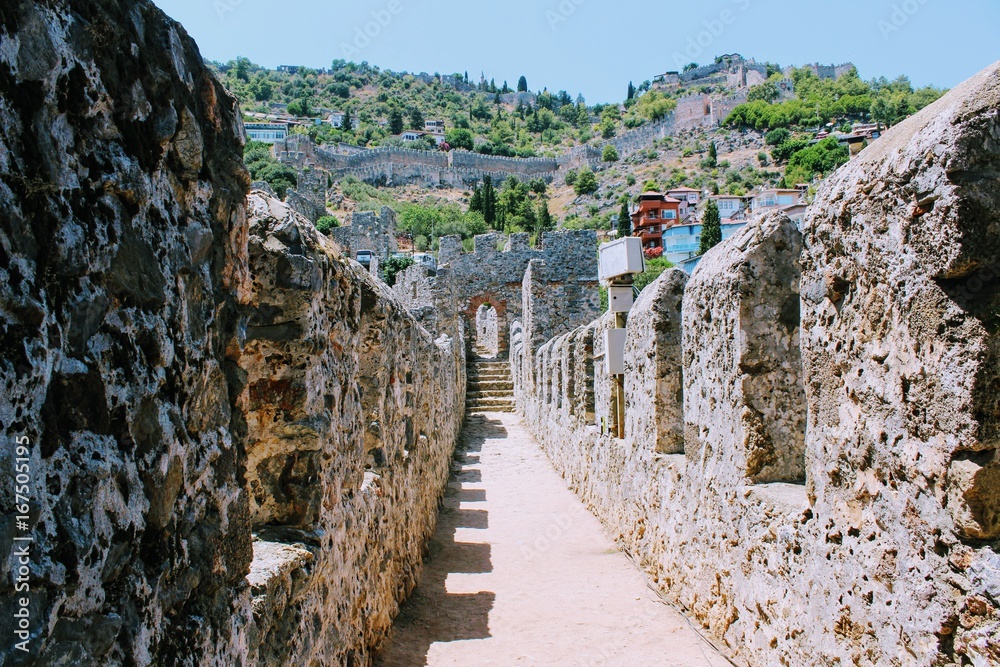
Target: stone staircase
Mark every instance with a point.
(490, 387)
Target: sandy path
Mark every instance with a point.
(521, 574)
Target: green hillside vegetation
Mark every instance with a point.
(821, 101)
(380, 103)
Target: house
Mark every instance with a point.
(416, 135)
(655, 213)
(434, 126)
(689, 199)
(730, 206)
(336, 119)
(268, 133)
(683, 242)
(796, 213)
(774, 198)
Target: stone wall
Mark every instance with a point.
(489, 275)
(810, 465)
(390, 165)
(352, 412)
(368, 231)
(225, 437)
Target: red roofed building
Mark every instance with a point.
(654, 214)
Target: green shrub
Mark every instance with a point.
(326, 223)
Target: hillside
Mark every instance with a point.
(738, 125)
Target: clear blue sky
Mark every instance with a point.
(596, 47)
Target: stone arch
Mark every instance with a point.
(470, 313)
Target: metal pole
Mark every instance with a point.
(620, 388)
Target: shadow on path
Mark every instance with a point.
(432, 614)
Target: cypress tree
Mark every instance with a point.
(624, 221)
(711, 228)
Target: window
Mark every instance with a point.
(670, 215)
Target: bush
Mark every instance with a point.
(326, 223)
(762, 159)
(777, 137)
(610, 154)
(586, 182)
(654, 267)
(394, 265)
(653, 253)
(630, 180)
(571, 177)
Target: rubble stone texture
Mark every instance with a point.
(352, 413)
(122, 262)
(901, 290)
(745, 402)
(887, 553)
(238, 441)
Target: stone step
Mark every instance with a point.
(488, 364)
(486, 410)
(499, 385)
(488, 393)
(487, 377)
(495, 404)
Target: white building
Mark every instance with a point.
(268, 133)
(336, 119)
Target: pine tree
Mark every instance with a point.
(713, 154)
(505, 89)
(348, 123)
(711, 227)
(624, 221)
(416, 119)
(631, 91)
(395, 121)
(522, 85)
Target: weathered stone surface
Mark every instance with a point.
(887, 554)
(352, 410)
(900, 296)
(744, 398)
(654, 386)
(122, 262)
(148, 366)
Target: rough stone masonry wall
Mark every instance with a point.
(121, 264)
(886, 553)
(130, 331)
(352, 412)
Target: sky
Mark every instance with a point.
(595, 47)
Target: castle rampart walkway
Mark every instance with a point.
(519, 573)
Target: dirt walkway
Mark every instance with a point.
(521, 574)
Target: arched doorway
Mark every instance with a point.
(486, 325)
(487, 343)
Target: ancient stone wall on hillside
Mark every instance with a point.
(810, 463)
(233, 442)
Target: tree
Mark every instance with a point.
(631, 91)
(460, 138)
(416, 119)
(624, 221)
(489, 202)
(522, 85)
(348, 123)
(545, 222)
(395, 121)
(299, 107)
(777, 137)
(711, 227)
(586, 182)
(393, 266)
(610, 154)
(690, 66)
(713, 154)
(766, 91)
